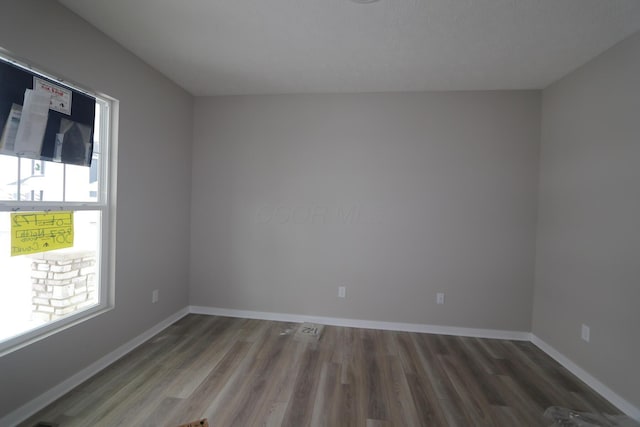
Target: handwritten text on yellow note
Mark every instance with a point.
(33, 232)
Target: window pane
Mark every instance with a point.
(41, 180)
(82, 182)
(43, 292)
(41, 288)
(8, 178)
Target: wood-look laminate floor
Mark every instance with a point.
(240, 372)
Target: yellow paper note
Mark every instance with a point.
(33, 232)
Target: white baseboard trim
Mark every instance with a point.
(589, 379)
(35, 405)
(365, 324)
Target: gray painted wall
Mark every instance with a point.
(153, 197)
(396, 196)
(589, 209)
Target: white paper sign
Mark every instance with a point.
(33, 122)
(60, 97)
(8, 140)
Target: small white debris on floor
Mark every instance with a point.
(309, 332)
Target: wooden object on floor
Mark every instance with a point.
(202, 423)
(242, 372)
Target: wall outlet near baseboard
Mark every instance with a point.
(342, 291)
(585, 333)
(440, 297)
(155, 296)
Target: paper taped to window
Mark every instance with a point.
(34, 232)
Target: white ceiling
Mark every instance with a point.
(214, 47)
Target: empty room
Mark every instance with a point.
(319, 213)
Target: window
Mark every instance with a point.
(43, 292)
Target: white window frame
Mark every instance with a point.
(105, 205)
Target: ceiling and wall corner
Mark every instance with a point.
(228, 47)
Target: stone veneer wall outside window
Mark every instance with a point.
(62, 282)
